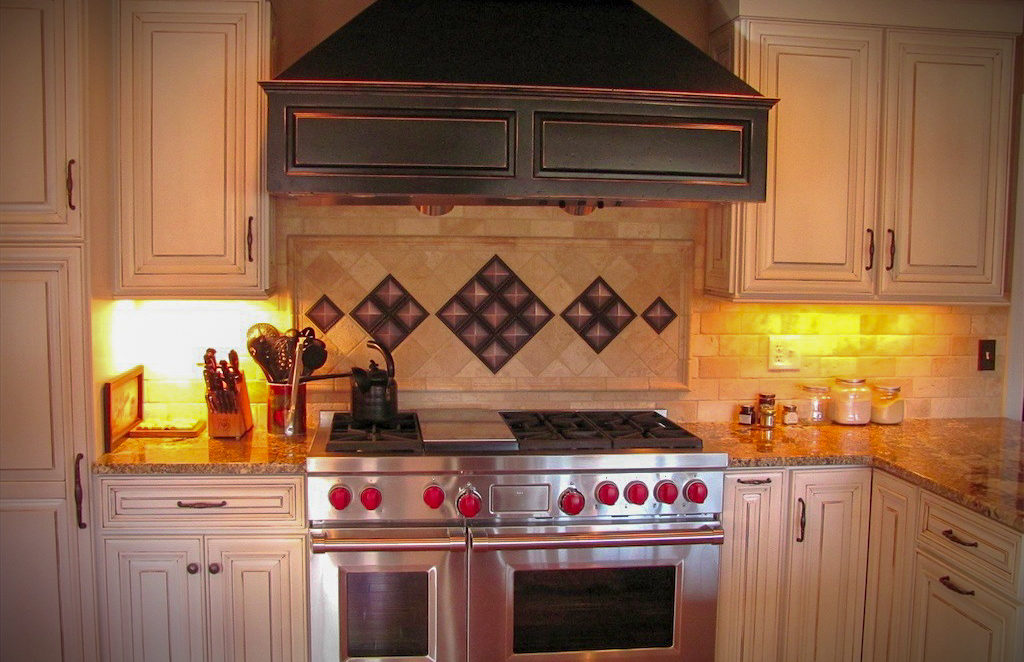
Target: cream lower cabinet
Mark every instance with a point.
(890, 564)
(46, 578)
(944, 583)
(193, 217)
(921, 217)
(749, 586)
(234, 591)
(826, 564)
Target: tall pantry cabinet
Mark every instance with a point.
(889, 160)
(46, 586)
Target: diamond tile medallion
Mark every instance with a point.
(598, 315)
(324, 314)
(495, 314)
(658, 315)
(389, 313)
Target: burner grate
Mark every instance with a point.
(595, 430)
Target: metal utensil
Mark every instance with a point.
(258, 342)
(292, 423)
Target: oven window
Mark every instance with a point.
(594, 609)
(387, 614)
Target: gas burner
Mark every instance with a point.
(597, 430)
(400, 436)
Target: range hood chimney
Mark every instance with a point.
(575, 103)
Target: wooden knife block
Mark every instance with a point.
(235, 424)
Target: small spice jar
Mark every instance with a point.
(766, 410)
(820, 400)
(887, 405)
(746, 415)
(789, 415)
(851, 401)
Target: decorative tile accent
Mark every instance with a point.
(389, 313)
(495, 314)
(659, 315)
(324, 314)
(598, 315)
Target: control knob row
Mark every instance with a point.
(571, 501)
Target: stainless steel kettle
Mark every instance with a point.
(374, 391)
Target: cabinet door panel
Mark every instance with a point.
(809, 235)
(191, 115)
(154, 605)
(257, 601)
(948, 140)
(748, 595)
(890, 559)
(41, 310)
(828, 535)
(39, 611)
(38, 118)
(951, 625)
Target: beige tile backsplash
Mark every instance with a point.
(708, 361)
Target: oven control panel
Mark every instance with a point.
(448, 498)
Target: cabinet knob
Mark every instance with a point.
(192, 568)
(214, 568)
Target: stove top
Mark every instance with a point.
(454, 432)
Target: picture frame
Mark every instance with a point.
(122, 405)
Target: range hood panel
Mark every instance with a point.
(514, 101)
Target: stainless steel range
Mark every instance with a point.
(482, 536)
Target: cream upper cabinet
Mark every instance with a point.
(827, 564)
(40, 167)
(193, 217)
(947, 128)
(922, 220)
(749, 586)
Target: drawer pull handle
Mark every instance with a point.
(892, 250)
(70, 185)
(248, 239)
(957, 539)
(201, 504)
(753, 481)
(948, 583)
(871, 250)
(803, 520)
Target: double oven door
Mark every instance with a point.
(608, 593)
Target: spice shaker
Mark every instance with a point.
(746, 415)
(789, 415)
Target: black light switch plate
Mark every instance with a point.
(986, 355)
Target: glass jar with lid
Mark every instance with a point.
(851, 401)
(820, 401)
(887, 405)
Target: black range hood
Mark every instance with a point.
(566, 102)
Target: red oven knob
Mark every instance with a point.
(696, 491)
(607, 493)
(666, 492)
(469, 503)
(340, 497)
(371, 498)
(636, 493)
(433, 496)
(571, 502)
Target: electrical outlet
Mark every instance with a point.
(986, 355)
(784, 352)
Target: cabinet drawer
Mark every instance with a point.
(190, 502)
(984, 548)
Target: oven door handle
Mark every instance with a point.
(590, 540)
(322, 545)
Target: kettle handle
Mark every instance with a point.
(388, 361)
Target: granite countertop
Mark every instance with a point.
(256, 452)
(978, 462)
(975, 462)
